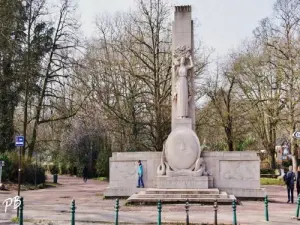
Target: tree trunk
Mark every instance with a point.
(228, 132)
(271, 152)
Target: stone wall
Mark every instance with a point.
(237, 173)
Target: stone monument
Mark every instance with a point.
(181, 155)
(179, 172)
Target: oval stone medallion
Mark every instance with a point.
(182, 149)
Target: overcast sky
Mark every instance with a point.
(223, 24)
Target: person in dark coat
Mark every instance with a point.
(298, 181)
(289, 179)
(85, 174)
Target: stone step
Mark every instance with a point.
(185, 196)
(202, 196)
(136, 199)
(181, 191)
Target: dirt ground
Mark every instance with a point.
(52, 206)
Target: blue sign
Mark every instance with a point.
(20, 141)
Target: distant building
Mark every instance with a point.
(283, 150)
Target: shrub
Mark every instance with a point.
(53, 169)
(287, 163)
(28, 173)
(102, 165)
(63, 169)
(7, 169)
(267, 171)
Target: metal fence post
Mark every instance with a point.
(117, 212)
(159, 212)
(266, 208)
(298, 207)
(234, 222)
(21, 211)
(216, 212)
(187, 207)
(73, 207)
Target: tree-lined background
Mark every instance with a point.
(77, 100)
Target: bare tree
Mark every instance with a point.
(220, 91)
(280, 36)
(56, 72)
(260, 88)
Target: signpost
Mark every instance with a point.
(20, 142)
(296, 134)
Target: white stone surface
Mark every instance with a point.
(182, 149)
(246, 192)
(182, 182)
(182, 74)
(183, 123)
(182, 35)
(234, 169)
(217, 162)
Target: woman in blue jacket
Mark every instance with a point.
(140, 175)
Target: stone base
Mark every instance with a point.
(243, 181)
(111, 192)
(188, 173)
(182, 182)
(246, 192)
(203, 196)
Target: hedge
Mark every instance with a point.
(28, 172)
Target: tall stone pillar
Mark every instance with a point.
(182, 35)
(181, 156)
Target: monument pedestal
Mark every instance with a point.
(183, 182)
(183, 123)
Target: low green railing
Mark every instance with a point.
(159, 210)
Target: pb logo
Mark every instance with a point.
(9, 201)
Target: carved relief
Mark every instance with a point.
(125, 170)
(238, 170)
(181, 155)
(183, 91)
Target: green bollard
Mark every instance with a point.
(73, 207)
(298, 207)
(216, 212)
(234, 212)
(266, 208)
(159, 212)
(21, 211)
(117, 211)
(187, 208)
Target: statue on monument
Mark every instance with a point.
(181, 95)
(181, 154)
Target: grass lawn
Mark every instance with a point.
(26, 187)
(271, 181)
(100, 178)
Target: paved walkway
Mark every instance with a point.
(53, 204)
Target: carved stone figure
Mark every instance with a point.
(181, 95)
(200, 167)
(181, 154)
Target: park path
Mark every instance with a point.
(53, 204)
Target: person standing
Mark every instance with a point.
(140, 175)
(289, 179)
(298, 181)
(85, 174)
